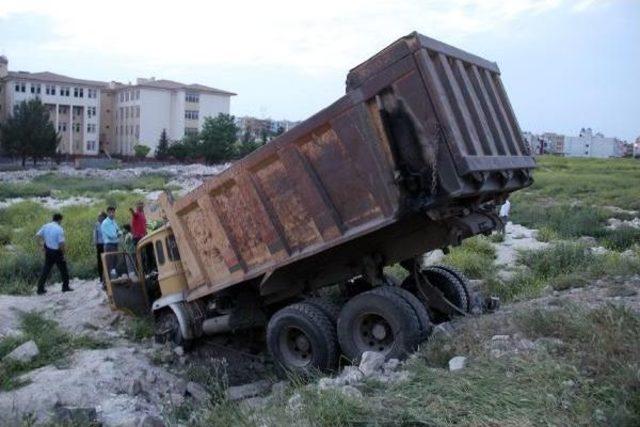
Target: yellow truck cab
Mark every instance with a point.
(135, 281)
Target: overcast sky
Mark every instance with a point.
(566, 64)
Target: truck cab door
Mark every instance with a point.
(124, 283)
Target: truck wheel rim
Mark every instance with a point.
(296, 347)
(373, 333)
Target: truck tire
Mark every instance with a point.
(378, 320)
(418, 307)
(330, 309)
(462, 279)
(302, 338)
(448, 284)
(167, 330)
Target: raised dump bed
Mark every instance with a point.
(413, 157)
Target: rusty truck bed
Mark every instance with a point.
(423, 126)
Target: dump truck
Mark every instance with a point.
(295, 237)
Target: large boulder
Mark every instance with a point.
(24, 353)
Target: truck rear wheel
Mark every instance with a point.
(378, 320)
(460, 276)
(418, 307)
(301, 338)
(453, 290)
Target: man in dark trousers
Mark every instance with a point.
(51, 235)
(99, 243)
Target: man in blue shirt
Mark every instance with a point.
(110, 238)
(52, 237)
(98, 242)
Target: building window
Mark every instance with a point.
(77, 111)
(21, 87)
(190, 131)
(63, 109)
(78, 92)
(35, 88)
(126, 96)
(121, 113)
(191, 114)
(91, 112)
(137, 111)
(192, 97)
(137, 94)
(65, 91)
(92, 93)
(126, 112)
(50, 89)
(137, 131)
(91, 128)
(62, 126)
(76, 127)
(121, 96)
(91, 145)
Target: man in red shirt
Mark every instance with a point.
(138, 223)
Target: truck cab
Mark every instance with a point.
(135, 281)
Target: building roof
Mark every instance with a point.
(173, 85)
(47, 76)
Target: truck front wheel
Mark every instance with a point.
(381, 321)
(302, 338)
(167, 330)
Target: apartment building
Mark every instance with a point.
(588, 144)
(141, 111)
(94, 116)
(255, 127)
(73, 104)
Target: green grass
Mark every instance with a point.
(53, 343)
(65, 186)
(474, 257)
(591, 182)
(561, 266)
(139, 328)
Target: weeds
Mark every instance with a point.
(140, 328)
(474, 257)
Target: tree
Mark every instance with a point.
(188, 149)
(246, 147)
(141, 150)
(162, 150)
(29, 133)
(218, 137)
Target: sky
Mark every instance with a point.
(566, 64)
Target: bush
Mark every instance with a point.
(474, 257)
(141, 151)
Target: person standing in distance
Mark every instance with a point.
(99, 243)
(51, 236)
(138, 223)
(110, 231)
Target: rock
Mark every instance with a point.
(433, 257)
(326, 383)
(294, 404)
(196, 391)
(151, 421)
(628, 254)
(351, 391)
(278, 389)
(444, 330)
(371, 362)
(24, 353)
(390, 365)
(500, 338)
(176, 399)
(598, 250)
(350, 375)
(568, 383)
(248, 390)
(74, 416)
(587, 241)
(457, 363)
(179, 351)
(255, 402)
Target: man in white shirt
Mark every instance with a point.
(504, 215)
(51, 235)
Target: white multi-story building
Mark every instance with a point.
(74, 105)
(143, 110)
(588, 144)
(93, 116)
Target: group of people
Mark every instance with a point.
(107, 237)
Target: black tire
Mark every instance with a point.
(167, 330)
(302, 338)
(448, 284)
(462, 279)
(330, 309)
(418, 308)
(378, 320)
